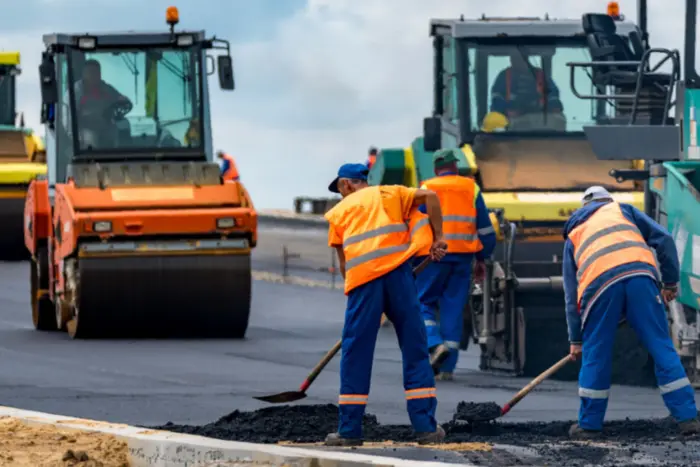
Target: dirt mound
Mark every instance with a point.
(45, 446)
(311, 423)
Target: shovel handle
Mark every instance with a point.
(534, 383)
(334, 350)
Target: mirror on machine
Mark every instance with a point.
(432, 129)
(225, 66)
(47, 75)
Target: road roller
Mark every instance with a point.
(133, 232)
(21, 159)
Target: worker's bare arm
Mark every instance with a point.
(432, 206)
(341, 259)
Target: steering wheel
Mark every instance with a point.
(118, 110)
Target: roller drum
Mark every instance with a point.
(12, 245)
(195, 295)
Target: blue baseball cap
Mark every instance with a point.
(353, 171)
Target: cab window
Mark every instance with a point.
(526, 87)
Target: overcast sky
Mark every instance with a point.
(318, 81)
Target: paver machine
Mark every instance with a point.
(533, 167)
(134, 232)
(21, 159)
(648, 82)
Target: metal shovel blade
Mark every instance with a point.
(282, 397)
(482, 412)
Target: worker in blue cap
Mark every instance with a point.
(373, 232)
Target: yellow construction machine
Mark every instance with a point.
(533, 167)
(22, 158)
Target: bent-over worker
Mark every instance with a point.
(369, 228)
(445, 285)
(229, 171)
(610, 273)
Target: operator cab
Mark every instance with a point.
(502, 88)
(128, 97)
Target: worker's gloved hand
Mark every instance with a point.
(669, 292)
(438, 249)
(479, 272)
(575, 351)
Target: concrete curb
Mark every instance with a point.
(155, 448)
(282, 218)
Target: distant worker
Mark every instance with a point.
(229, 171)
(610, 273)
(372, 157)
(369, 230)
(444, 286)
(522, 90)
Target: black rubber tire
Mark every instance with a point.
(43, 312)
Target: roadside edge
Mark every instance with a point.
(282, 218)
(151, 448)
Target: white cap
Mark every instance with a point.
(595, 193)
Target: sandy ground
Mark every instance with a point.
(22, 445)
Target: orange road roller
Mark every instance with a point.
(133, 232)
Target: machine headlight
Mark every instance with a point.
(87, 42)
(102, 226)
(225, 223)
(185, 40)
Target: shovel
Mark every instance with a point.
(491, 411)
(291, 396)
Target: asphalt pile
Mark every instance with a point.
(311, 423)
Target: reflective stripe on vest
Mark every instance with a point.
(539, 75)
(421, 233)
(373, 243)
(457, 196)
(604, 241)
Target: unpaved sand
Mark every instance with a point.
(22, 445)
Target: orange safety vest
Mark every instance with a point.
(371, 160)
(540, 84)
(421, 233)
(232, 171)
(604, 241)
(373, 243)
(457, 195)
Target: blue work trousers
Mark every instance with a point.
(445, 286)
(637, 298)
(395, 295)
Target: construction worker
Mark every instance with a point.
(445, 285)
(372, 157)
(229, 171)
(370, 228)
(610, 274)
(522, 90)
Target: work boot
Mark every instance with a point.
(445, 376)
(438, 355)
(334, 439)
(576, 432)
(690, 427)
(436, 437)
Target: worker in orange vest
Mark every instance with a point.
(371, 230)
(229, 171)
(445, 285)
(523, 89)
(610, 273)
(372, 157)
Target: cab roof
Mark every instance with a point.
(521, 27)
(123, 38)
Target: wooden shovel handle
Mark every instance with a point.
(534, 383)
(334, 350)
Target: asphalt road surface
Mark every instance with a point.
(150, 382)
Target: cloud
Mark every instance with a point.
(318, 81)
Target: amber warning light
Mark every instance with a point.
(614, 10)
(172, 16)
